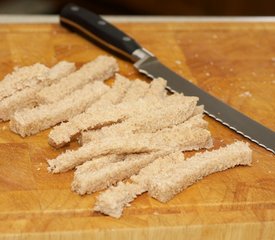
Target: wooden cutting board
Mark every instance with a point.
(233, 61)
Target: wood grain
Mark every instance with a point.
(225, 59)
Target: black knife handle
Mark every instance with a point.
(92, 25)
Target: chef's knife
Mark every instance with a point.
(92, 25)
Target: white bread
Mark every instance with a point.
(157, 88)
(143, 115)
(27, 96)
(58, 71)
(19, 100)
(119, 89)
(175, 138)
(112, 201)
(71, 159)
(112, 173)
(198, 110)
(159, 166)
(129, 126)
(30, 121)
(166, 185)
(99, 69)
(21, 78)
(98, 163)
(137, 90)
(99, 114)
(116, 198)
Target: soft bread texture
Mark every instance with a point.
(157, 88)
(98, 163)
(166, 185)
(159, 166)
(99, 115)
(169, 175)
(99, 69)
(175, 138)
(103, 112)
(58, 71)
(112, 201)
(30, 121)
(137, 90)
(112, 173)
(119, 89)
(26, 98)
(133, 126)
(21, 78)
(155, 115)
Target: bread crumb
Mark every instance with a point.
(273, 59)
(273, 81)
(178, 62)
(196, 55)
(246, 94)
(231, 69)
(269, 172)
(207, 74)
(38, 169)
(4, 128)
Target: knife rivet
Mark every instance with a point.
(101, 22)
(126, 39)
(75, 8)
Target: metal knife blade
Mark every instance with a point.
(95, 27)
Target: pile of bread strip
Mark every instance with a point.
(132, 135)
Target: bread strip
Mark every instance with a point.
(30, 121)
(71, 159)
(111, 174)
(58, 71)
(165, 186)
(176, 138)
(157, 88)
(97, 163)
(198, 110)
(117, 93)
(27, 96)
(100, 114)
(166, 117)
(137, 90)
(21, 78)
(116, 198)
(112, 201)
(19, 100)
(151, 118)
(100, 69)
(160, 166)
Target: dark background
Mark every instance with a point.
(147, 7)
